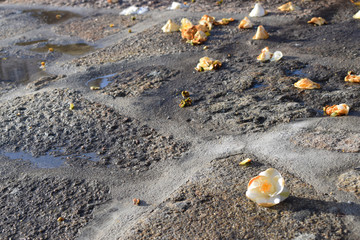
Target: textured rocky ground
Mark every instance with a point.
(83, 155)
(214, 206)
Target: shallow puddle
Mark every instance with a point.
(297, 72)
(51, 17)
(47, 161)
(19, 70)
(50, 160)
(71, 49)
(259, 85)
(101, 82)
(30, 42)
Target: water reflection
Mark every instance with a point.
(52, 159)
(102, 81)
(297, 72)
(51, 17)
(19, 70)
(30, 42)
(71, 49)
(47, 161)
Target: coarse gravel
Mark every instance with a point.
(212, 205)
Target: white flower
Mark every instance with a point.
(276, 56)
(268, 188)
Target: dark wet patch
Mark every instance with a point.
(51, 17)
(260, 85)
(71, 49)
(30, 42)
(135, 82)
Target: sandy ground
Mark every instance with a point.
(72, 159)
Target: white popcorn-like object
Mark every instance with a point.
(258, 11)
(277, 55)
(261, 33)
(176, 5)
(266, 55)
(170, 26)
(134, 10)
(357, 15)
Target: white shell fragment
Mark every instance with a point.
(170, 26)
(357, 15)
(134, 10)
(176, 5)
(276, 56)
(258, 11)
(267, 189)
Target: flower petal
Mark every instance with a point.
(268, 188)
